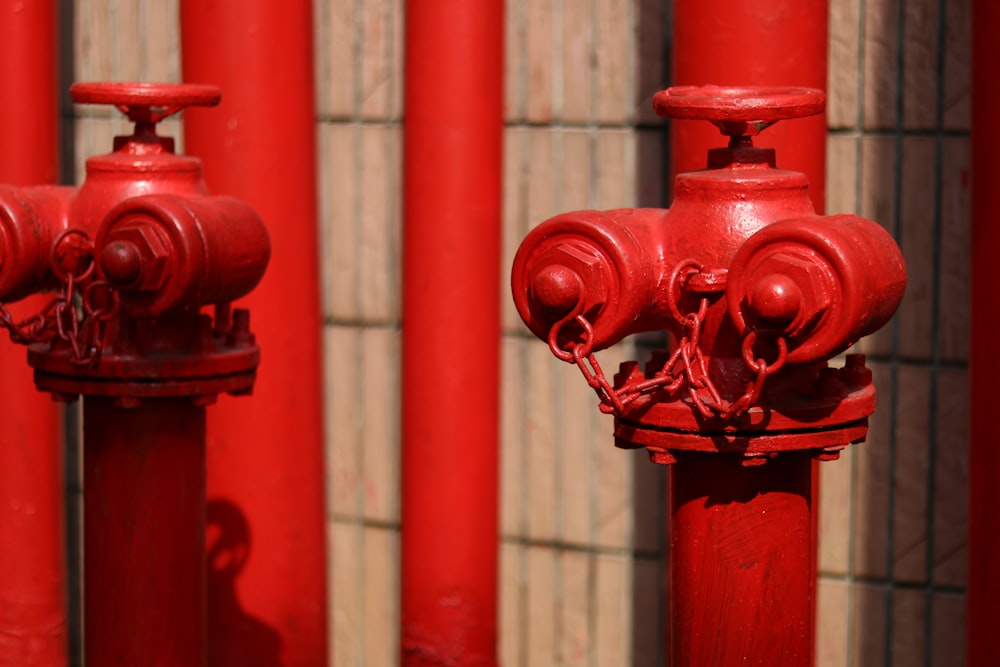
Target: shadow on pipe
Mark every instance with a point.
(240, 639)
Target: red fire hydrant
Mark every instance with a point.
(135, 253)
(756, 292)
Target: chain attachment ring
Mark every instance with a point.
(754, 362)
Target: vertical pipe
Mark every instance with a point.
(757, 42)
(452, 138)
(740, 555)
(983, 589)
(753, 43)
(33, 628)
(28, 75)
(265, 453)
(144, 509)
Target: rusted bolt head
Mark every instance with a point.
(136, 256)
(565, 274)
(789, 288)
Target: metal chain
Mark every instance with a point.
(685, 369)
(77, 315)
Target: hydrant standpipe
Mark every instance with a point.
(756, 293)
(135, 254)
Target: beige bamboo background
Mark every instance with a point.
(582, 546)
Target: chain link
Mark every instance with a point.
(686, 367)
(79, 312)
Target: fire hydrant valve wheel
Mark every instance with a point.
(738, 111)
(167, 98)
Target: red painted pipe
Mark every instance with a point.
(144, 539)
(755, 42)
(452, 138)
(33, 628)
(265, 454)
(28, 74)
(740, 555)
(983, 589)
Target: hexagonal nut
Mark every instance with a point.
(811, 277)
(153, 251)
(583, 259)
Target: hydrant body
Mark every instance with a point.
(146, 246)
(754, 290)
(755, 293)
(135, 254)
